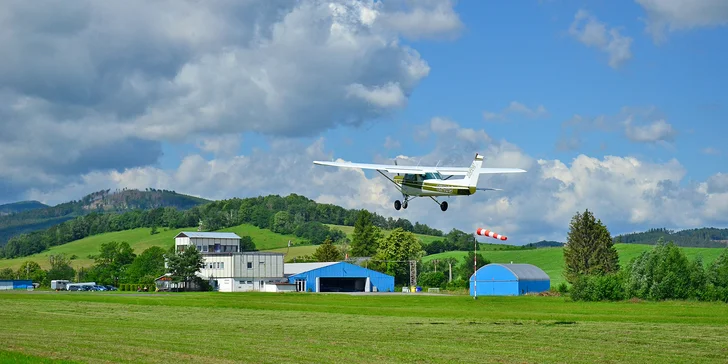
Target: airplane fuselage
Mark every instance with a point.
(420, 185)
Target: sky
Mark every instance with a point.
(616, 107)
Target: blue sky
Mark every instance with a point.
(619, 107)
(524, 53)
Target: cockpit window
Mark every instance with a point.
(435, 175)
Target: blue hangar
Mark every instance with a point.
(509, 280)
(336, 277)
(10, 284)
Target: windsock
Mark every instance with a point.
(486, 232)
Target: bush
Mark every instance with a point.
(609, 287)
(562, 288)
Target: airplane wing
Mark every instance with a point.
(390, 168)
(461, 171)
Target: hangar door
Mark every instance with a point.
(338, 284)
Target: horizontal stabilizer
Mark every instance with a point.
(488, 189)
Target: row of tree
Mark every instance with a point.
(664, 272)
(702, 237)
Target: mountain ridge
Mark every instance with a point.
(102, 201)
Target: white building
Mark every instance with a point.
(230, 270)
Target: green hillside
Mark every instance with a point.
(551, 260)
(139, 239)
(349, 231)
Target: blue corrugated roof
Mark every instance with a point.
(207, 234)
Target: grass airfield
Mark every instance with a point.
(212, 327)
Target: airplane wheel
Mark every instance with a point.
(443, 206)
(397, 205)
(404, 205)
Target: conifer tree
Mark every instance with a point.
(328, 252)
(589, 248)
(365, 239)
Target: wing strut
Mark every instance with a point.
(395, 183)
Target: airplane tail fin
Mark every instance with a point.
(474, 171)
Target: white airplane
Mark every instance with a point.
(425, 181)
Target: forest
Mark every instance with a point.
(702, 237)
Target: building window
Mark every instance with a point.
(250, 265)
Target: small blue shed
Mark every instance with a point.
(336, 277)
(7, 284)
(509, 280)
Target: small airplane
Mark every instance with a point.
(426, 181)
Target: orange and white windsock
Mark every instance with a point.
(486, 232)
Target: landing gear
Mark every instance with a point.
(402, 205)
(443, 204)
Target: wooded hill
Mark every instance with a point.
(703, 237)
(25, 217)
(15, 207)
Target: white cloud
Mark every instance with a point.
(516, 107)
(625, 192)
(387, 96)
(100, 85)
(640, 125)
(594, 33)
(656, 131)
(418, 19)
(675, 15)
(224, 145)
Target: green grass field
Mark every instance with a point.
(551, 260)
(320, 328)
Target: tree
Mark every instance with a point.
(328, 252)
(365, 237)
(184, 265)
(394, 253)
(246, 244)
(7, 273)
(589, 248)
(146, 267)
(112, 261)
(60, 269)
(31, 270)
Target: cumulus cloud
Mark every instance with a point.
(421, 19)
(588, 30)
(676, 15)
(517, 108)
(656, 131)
(94, 85)
(638, 124)
(626, 192)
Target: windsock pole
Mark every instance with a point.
(486, 232)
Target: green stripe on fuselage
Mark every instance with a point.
(441, 188)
